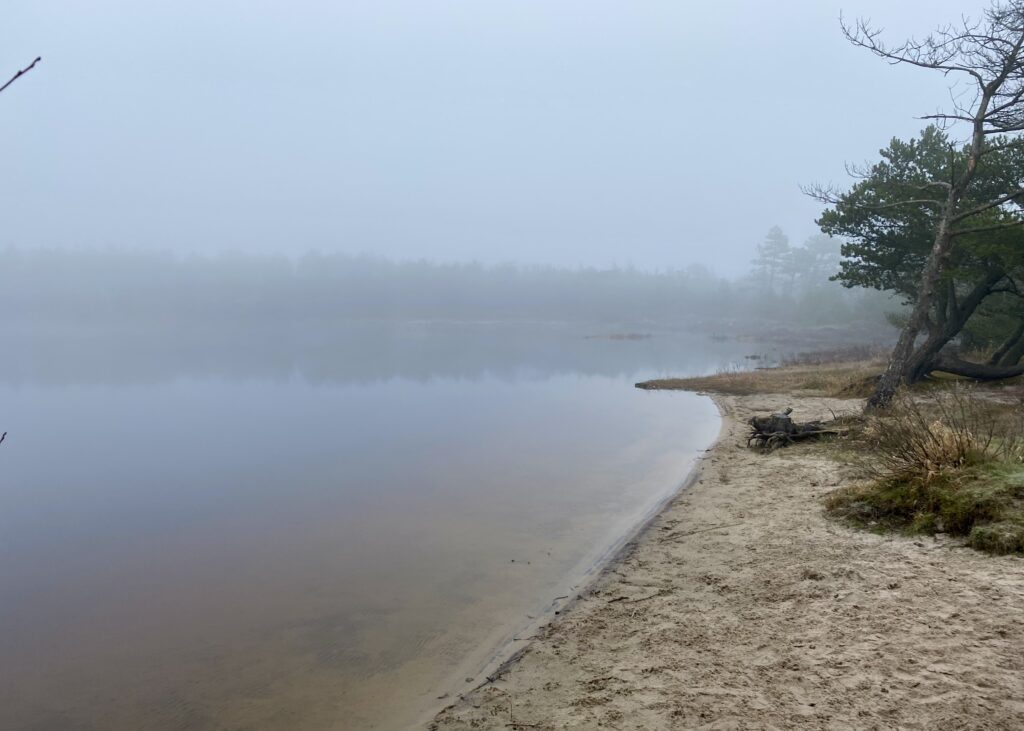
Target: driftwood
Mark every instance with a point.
(779, 430)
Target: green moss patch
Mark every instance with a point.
(983, 502)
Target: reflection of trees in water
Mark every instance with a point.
(354, 353)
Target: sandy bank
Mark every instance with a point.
(742, 606)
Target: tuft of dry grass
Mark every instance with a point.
(910, 441)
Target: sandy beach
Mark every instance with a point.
(743, 606)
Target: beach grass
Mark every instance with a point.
(838, 380)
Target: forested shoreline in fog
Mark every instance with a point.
(130, 287)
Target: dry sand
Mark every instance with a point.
(742, 606)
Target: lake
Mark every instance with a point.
(324, 528)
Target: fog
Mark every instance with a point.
(655, 134)
(112, 288)
(323, 321)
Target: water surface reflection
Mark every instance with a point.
(292, 532)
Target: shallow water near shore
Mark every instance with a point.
(296, 534)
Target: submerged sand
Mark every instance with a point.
(742, 606)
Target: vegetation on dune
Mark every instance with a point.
(837, 381)
(840, 373)
(949, 461)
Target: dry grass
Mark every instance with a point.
(922, 436)
(850, 379)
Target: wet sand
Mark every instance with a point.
(742, 606)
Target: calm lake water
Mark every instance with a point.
(295, 531)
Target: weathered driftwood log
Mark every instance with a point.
(779, 430)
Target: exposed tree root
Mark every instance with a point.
(779, 430)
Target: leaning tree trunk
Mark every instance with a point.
(1013, 355)
(896, 371)
(922, 360)
(900, 360)
(950, 317)
(1010, 351)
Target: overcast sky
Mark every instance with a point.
(652, 133)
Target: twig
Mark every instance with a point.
(702, 530)
(2, 437)
(490, 679)
(22, 72)
(627, 600)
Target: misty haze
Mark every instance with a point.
(511, 365)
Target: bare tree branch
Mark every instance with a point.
(828, 194)
(22, 73)
(1012, 144)
(989, 205)
(908, 202)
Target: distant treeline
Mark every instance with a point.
(121, 286)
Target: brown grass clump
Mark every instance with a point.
(919, 438)
(909, 443)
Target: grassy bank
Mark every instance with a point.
(844, 373)
(946, 458)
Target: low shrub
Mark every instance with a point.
(920, 438)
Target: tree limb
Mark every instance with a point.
(983, 229)
(985, 206)
(978, 371)
(22, 73)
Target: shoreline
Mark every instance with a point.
(740, 604)
(505, 654)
